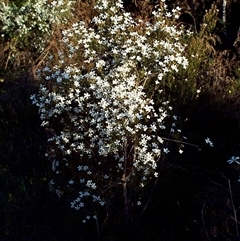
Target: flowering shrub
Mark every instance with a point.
(107, 130)
(31, 19)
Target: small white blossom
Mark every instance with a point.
(209, 142)
(71, 182)
(234, 159)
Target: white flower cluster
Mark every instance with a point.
(107, 127)
(17, 22)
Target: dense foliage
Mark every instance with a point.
(108, 131)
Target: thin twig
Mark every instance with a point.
(203, 222)
(42, 57)
(232, 203)
(149, 198)
(181, 142)
(233, 207)
(124, 184)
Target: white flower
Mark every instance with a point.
(234, 159)
(100, 64)
(209, 142)
(166, 150)
(59, 79)
(71, 182)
